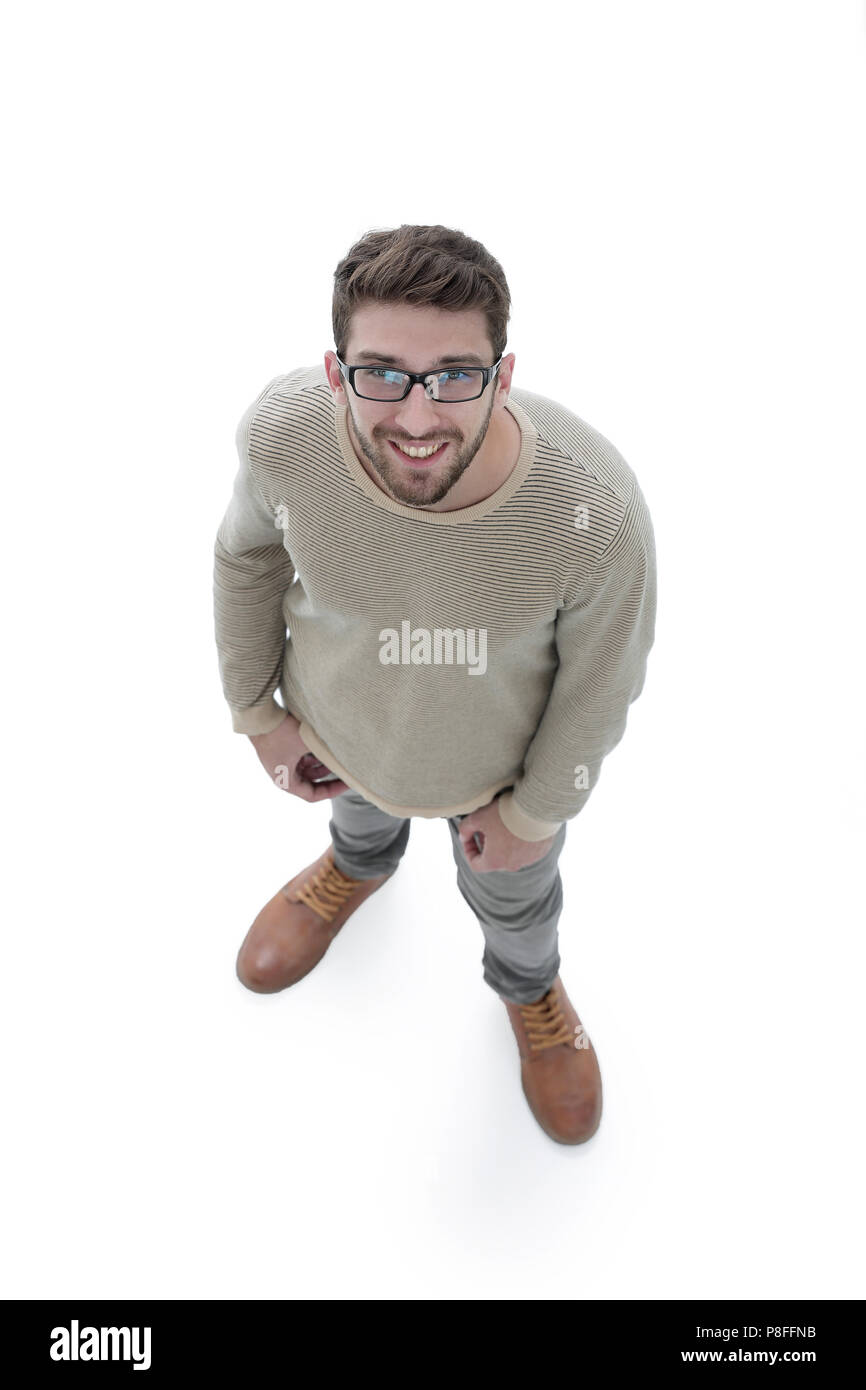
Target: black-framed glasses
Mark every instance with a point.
(447, 385)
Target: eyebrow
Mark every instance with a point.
(467, 357)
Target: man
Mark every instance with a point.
(467, 574)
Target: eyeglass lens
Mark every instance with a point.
(455, 384)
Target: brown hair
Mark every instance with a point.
(421, 265)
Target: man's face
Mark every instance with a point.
(414, 339)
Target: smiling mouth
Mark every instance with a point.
(419, 462)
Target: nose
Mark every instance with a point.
(417, 415)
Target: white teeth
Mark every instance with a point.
(414, 453)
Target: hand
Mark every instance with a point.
(500, 849)
(290, 764)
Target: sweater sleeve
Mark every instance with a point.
(252, 570)
(603, 637)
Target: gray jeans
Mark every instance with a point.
(518, 910)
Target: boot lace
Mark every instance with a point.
(544, 1023)
(327, 890)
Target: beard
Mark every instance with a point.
(421, 487)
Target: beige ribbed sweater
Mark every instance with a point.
(436, 659)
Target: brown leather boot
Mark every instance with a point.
(558, 1067)
(295, 928)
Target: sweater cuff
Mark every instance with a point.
(258, 719)
(524, 826)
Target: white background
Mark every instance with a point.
(676, 194)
